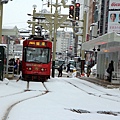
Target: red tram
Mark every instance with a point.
(36, 59)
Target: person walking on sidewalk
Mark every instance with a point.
(68, 69)
(60, 69)
(88, 70)
(110, 70)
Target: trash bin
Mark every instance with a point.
(1, 62)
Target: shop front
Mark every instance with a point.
(109, 49)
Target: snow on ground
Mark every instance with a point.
(66, 96)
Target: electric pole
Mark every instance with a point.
(1, 16)
(54, 21)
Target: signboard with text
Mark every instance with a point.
(114, 21)
(114, 4)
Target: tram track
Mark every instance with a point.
(22, 91)
(20, 97)
(103, 94)
(8, 110)
(100, 90)
(12, 94)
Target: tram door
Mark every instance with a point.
(1, 62)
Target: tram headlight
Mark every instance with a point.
(43, 69)
(29, 68)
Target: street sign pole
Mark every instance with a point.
(54, 42)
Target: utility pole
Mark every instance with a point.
(33, 25)
(57, 21)
(83, 40)
(54, 42)
(50, 26)
(75, 30)
(1, 15)
(8, 40)
(84, 35)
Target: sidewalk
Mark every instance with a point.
(101, 82)
(95, 80)
(92, 79)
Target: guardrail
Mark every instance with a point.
(116, 77)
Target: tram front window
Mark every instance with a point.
(38, 55)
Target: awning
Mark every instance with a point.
(104, 39)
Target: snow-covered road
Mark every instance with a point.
(67, 99)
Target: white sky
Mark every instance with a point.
(15, 12)
(59, 103)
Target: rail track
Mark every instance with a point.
(21, 94)
(101, 94)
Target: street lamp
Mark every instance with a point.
(33, 25)
(95, 51)
(1, 15)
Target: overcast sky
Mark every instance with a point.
(15, 12)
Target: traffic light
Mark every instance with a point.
(71, 11)
(77, 11)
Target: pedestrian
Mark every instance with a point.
(88, 70)
(110, 70)
(60, 69)
(68, 69)
(15, 67)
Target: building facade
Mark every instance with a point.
(108, 39)
(64, 43)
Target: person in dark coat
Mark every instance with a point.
(88, 70)
(68, 69)
(110, 70)
(60, 69)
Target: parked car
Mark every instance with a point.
(94, 70)
(72, 68)
(58, 63)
